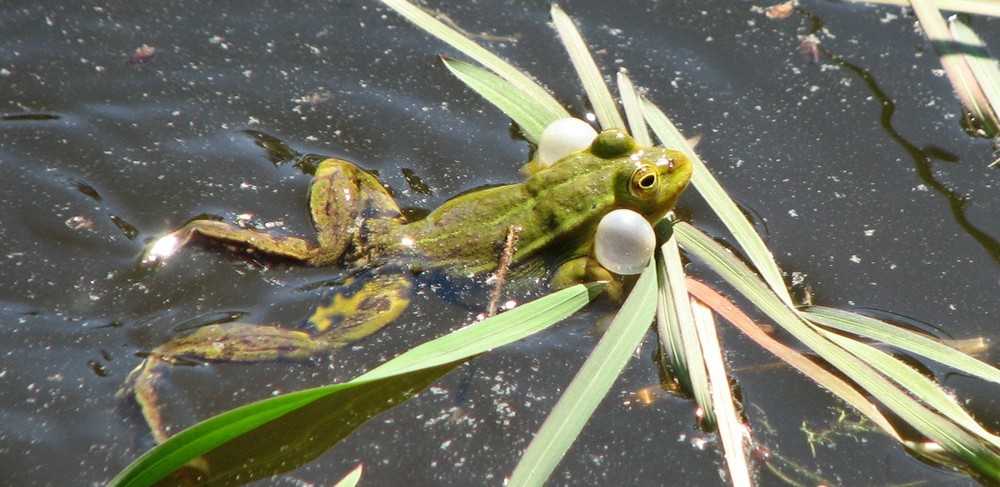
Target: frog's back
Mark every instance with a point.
(551, 212)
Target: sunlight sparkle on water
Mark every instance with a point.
(162, 249)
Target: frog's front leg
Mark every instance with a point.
(587, 269)
(355, 312)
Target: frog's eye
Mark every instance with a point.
(643, 181)
(612, 143)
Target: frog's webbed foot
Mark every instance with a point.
(226, 342)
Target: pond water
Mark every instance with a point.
(855, 166)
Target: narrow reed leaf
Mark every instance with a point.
(590, 385)
(590, 75)
(730, 428)
(905, 340)
(633, 112)
(719, 200)
(668, 327)
(493, 332)
(984, 67)
(686, 351)
(954, 63)
(552, 108)
(527, 113)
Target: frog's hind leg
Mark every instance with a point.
(225, 342)
(347, 204)
(355, 314)
(362, 309)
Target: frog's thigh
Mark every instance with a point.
(250, 240)
(351, 317)
(227, 342)
(586, 269)
(342, 197)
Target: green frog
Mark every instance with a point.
(555, 211)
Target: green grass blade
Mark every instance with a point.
(590, 385)
(497, 331)
(719, 200)
(526, 112)
(676, 323)
(461, 344)
(984, 67)
(954, 63)
(193, 442)
(633, 112)
(668, 328)
(590, 75)
(299, 437)
(979, 7)
(903, 339)
(729, 426)
(552, 109)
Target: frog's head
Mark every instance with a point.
(647, 180)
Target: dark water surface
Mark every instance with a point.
(856, 167)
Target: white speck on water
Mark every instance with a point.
(855, 259)
(798, 278)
